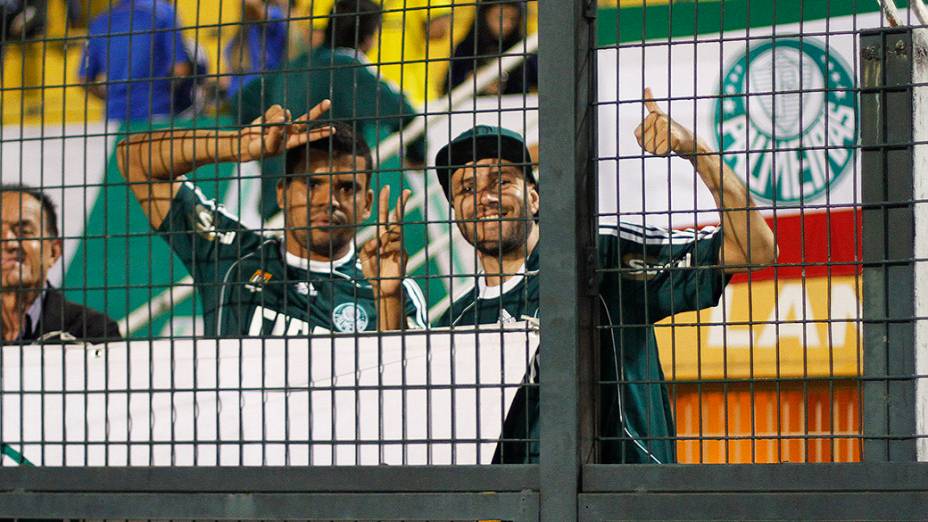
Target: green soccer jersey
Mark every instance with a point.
(358, 94)
(647, 274)
(249, 286)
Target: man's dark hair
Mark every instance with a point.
(48, 206)
(345, 142)
(351, 22)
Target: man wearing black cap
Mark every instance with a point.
(648, 273)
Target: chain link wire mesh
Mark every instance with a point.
(730, 211)
(248, 187)
(306, 233)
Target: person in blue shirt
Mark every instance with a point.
(260, 45)
(135, 59)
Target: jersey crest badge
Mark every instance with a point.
(349, 317)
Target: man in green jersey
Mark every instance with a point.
(254, 284)
(648, 273)
(338, 70)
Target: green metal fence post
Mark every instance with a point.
(888, 245)
(568, 192)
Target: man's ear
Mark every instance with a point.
(281, 193)
(56, 249)
(534, 199)
(368, 202)
(51, 253)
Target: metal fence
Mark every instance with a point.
(733, 305)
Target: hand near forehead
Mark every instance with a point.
(383, 258)
(275, 132)
(660, 135)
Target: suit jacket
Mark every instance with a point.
(65, 321)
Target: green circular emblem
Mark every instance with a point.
(787, 119)
(350, 317)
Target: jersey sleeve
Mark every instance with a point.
(416, 312)
(203, 235)
(681, 269)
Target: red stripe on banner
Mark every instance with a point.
(814, 244)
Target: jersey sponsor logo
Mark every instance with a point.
(304, 288)
(506, 317)
(349, 317)
(267, 321)
(787, 117)
(257, 280)
(205, 225)
(643, 268)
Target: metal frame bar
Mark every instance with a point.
(522, 507)
(869, 491)
(888, 206)
(271, 493)
(568, 190)
(335, 479)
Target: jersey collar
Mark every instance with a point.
(318, 266)
(494, 292)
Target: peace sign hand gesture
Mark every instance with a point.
(275, 131)
(660, 135)
(383, 258)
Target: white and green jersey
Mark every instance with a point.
(646, 274)
(249, 285)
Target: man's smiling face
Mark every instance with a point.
(494, 205)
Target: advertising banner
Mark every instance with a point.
(336, 400)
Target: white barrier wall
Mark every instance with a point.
(320, 401)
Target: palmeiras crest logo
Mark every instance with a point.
(349, 317)
(787, 119)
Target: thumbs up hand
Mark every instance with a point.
(660, 135)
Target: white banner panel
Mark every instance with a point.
(787, 121)
(416, 399)
(67, 163)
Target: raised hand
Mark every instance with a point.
(383, 258)
(660, 135)
(275, 131)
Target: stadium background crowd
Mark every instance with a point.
(45, 67)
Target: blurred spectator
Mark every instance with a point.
(308, 30)
(498, 26)
(22, 19)
(336, 70)
(410, 28)
(30, 309)
(137, 50)
(259, 45)
(412, 32)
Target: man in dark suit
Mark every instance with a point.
(30, 309)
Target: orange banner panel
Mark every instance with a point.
(791, 422)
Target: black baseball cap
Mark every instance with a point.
(481, 142)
